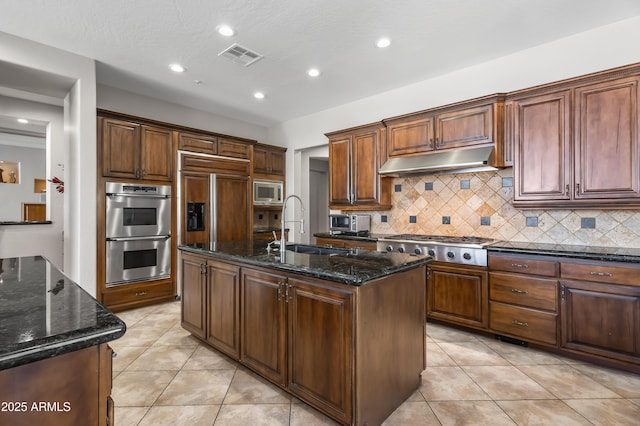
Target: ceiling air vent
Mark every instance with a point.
(240, 55)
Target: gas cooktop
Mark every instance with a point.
(440, 239)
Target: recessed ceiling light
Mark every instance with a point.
(383, 42)
(225, 30)
(177, 68)
(313, 72)
(23, 120)
(258, 95)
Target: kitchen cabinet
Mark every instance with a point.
(523, 297)
(211, 302)
(458, 294)
(34, 212)
(476, 122)
(213, 145)
(576, 143)
(132, 150)
(75, 386)
(269, 162)
(355, 156)
(600, 308)
(346, 243)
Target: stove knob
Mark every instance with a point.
(431, 252)
(451, 254)
(467, 256)
(418, 250)
(400, 249)
(389, 248)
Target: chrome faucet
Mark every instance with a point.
(283, 242)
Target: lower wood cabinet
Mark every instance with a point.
(458, 294)
(601, 318)
(138, 294)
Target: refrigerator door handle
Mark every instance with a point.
(213, 208)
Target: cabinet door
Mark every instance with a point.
(467, 127)
(601, 319)
(120, 149)
(542, 166)
(410, 137)
(277, 162)
(232, 208)
(156, 154)
(261, 160)
(195, 195)
(606, 132)
(263, 324)
(268, 161)
(223, 301)
(320, 342)
(231, 148)
(193, 281)
(339, 171)
(198, 143)
(457, 294)
(365, 154)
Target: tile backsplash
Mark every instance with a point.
(479, 204)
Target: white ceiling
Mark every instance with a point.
(133, 43)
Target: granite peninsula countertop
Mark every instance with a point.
(350, 266)
(44, 314)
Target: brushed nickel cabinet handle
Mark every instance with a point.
(515, 290)
(566, 190)
(520, 323)
(601, 274)
(141, 293)
(520, 265)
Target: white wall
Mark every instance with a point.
(79, 158)
(113, 99)
(599, 49)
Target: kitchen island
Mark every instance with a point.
(55, 364)
(342, 330)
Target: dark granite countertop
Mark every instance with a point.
(352, 266)
(27, 222)
(613, 254)
(44, 314)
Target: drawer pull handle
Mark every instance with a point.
(141, 293)
(520, 265)
(520, 323)
(601, 274)
(515, 290)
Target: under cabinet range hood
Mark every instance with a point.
(450, 161)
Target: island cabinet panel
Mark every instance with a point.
(263, 324)
(223, 307)
(66, 390)
(600, 307)
(320, 339)
(458, 294)
(606, 131)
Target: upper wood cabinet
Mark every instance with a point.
(136, 151)
(576, 142)
(213, 145)
(355, 156)
(269, 161)
(475, 122)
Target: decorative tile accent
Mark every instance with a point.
(412, 219)
(383, 218)
(431, 197)
(398, 188)
(532, 221)
(465, 184)
(588, 223)
(485, 221)
(446, 220)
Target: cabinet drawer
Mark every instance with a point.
(195, 163)
(523, 264)
(198, 143)
(136, 292)
(609, 272)
(532, 292)
(526, 323)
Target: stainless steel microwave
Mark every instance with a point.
(349, 223)
(267, 192)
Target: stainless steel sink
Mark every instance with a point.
(309, 249)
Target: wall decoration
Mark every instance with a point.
(9, 172)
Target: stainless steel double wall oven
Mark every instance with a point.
(138, 243)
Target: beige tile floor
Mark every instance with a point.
(163, 376)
